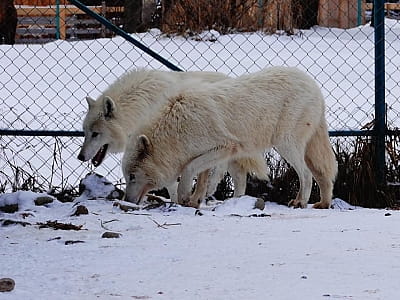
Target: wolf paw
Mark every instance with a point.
(190, 203)
(297, 204)
(322, 205)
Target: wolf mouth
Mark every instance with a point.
(99, 157)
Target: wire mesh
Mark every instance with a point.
(43, 81)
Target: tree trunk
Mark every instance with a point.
(8, 22)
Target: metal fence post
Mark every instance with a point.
(380, 122)
(57, 19)
(359, 12)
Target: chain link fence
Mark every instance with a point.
(44, 80)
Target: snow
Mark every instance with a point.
(25, 199)
(227, 251)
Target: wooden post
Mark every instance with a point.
(323, 13)
(338, 13)
(63, 22)
(343, 13)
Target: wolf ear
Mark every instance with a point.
(109, 107)
(144, 145)
(90, 101)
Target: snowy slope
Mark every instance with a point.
(227, 251)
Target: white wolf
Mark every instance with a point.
(278, 107)
(131, 103)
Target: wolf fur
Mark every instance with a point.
(277, 107)
(131, 103)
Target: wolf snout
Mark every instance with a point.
(81, 157)
(131, 199)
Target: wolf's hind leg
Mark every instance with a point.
(294, 154)
(321, 160)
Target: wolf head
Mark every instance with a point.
(140, 170)
(103, 134)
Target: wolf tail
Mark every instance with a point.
(321, 160)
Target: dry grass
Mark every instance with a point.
(356, 182)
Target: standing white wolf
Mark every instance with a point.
(278, 107)
(131, 103)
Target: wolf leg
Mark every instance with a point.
(239, 177)
(216, 175)
(294, 154)
(201, 187)
(199, 164)
(321, 160)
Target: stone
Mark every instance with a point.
(81, 210)
(9, 208)
(260, 204)
(111, 235)
(43, 200)
(6, 284)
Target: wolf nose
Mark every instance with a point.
(81, 157)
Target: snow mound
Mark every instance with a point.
(95, 186)
(244, 205)
(25, 200)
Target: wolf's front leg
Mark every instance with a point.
(201, 188)
(215, 156)
(185, 189)
(172, 191)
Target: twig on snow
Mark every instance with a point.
(163, 226)
(105, 222)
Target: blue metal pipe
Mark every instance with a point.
(53, 133)
(339, 133)
(58, 19)
(380, 122)
(359, 12)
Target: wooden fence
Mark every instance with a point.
(44, 17)
(40, 16)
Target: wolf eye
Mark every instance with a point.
(94, 134)
(132, 177)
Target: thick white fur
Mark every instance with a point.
(133, 101)
(278, 107)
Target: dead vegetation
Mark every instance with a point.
(59, 226)
(356, 181)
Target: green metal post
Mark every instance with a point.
(57, 19)
(380, 122)
(359, 12)
(260, 13)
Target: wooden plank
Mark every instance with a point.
(63, 23)
(353, 13)
(388, 6)
(37, 11)
(66, 11)
(343, 14)
(323, 13)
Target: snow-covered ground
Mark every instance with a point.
(227, 251)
